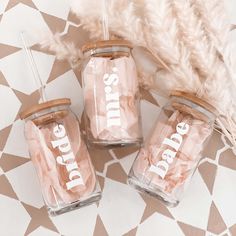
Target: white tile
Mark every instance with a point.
(21, 77)
(196, 202)
(22, 18)
(67, 86)
(58, 8)
(79, 222)
(13, 216)
(43, 231)
(16, 144)
(158, 224)
(9, 106)
(224, 194)
(26, 185)
(121, 208)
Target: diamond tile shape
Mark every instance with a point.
(196, 202)
(21, 78)
(14, 218)
(28, 19)
(159, 225)
(9, 108)
(120, 208)
(79, 222)
(26, 185)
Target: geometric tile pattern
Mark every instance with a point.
(208, 207)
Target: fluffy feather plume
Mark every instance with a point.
(63, 50)
(162, 38)
(214, 19)
(203, 55)
(155, 32)
(187, 41)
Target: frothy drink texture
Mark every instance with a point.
(172, 153)
(62, 161)
(111, 98)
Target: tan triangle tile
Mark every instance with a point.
(54, 23)
(228, 159)
(3, 81)
(77, 35)
(216, 223)
(6, 188)
(125, 151)
(77, 72)
(13, 3)
(8, 162)
(100, 229)
(4, 136)
(232, 230)
(190, 230)
(6, 50)
(116, 172)
(73, 18)
(27, 100)
(39, 217)
(208, 173)
(59, 68)
(101, 181)
(152, 206)
(132, 232)
(215, 143)
(99, 158)
(146, 95)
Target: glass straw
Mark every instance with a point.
(33, 67)
(105, 26)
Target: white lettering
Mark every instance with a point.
(112, 98)
(161, 168)
(67, 157)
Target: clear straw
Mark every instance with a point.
(33, 67)
(105, 26)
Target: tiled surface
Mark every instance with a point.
(209, 207)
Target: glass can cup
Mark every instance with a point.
(111, 94)
(60, 156)
(165, 165)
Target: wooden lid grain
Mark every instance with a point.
(42, 106)
(106, 43)
(193, 98)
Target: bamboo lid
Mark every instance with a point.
(51, 117)
(193, 98)
(42, 106)
(105, 44)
